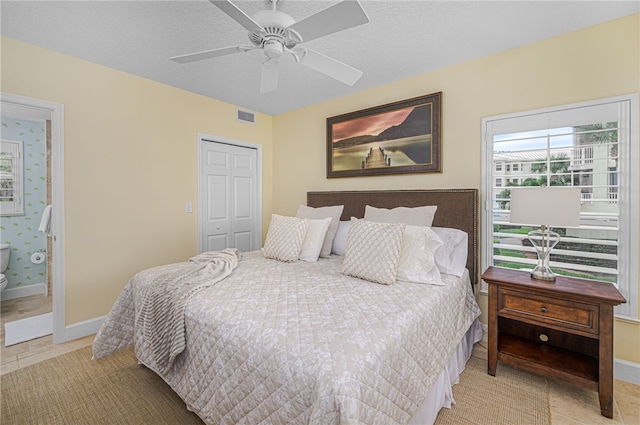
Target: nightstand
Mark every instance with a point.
(561, 329)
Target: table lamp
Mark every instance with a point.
(557, 206)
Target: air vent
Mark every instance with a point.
(245, 116)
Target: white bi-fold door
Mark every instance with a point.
(228, 198)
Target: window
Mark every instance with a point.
(591, 145)
(11, 192)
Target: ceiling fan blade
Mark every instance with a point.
(237, 14)
(208, 54)
(269, 76)
(333, 68)
(340, 16)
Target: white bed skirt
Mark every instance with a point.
(441, 395)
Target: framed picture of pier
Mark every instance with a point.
(397, 138)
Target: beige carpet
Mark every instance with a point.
(74, 390)
(71, 389)
(512, 397)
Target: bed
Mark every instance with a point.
(263, 341)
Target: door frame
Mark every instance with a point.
(207, 138)
(56, 115)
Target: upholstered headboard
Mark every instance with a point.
(457, 208)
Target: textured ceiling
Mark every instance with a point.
(403, 39)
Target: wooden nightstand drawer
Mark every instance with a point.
(552, 312)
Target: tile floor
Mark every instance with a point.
(36, 350)
(570, 405)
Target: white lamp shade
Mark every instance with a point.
(556, 206)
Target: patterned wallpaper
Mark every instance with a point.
(22, 231)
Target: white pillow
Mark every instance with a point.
(314, 239)
(417, 256)
(373, 251)
(323, 212)
(285, 237)
(417, 216)
(451, 258)
(340, 241)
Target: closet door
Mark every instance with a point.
(228, 197)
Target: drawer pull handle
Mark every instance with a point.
(543, 309)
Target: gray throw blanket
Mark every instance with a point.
(154, 302)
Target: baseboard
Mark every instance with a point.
(626, 371)
(622, 369)
(82, 329)
(24, 291)
(27, 329)
(485, 331)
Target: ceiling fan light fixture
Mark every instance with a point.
(273, 48)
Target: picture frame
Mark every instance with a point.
(397, 138)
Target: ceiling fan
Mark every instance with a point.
(277, 33)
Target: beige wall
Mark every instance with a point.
(129, 167)
(597, 62)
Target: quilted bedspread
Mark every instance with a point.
(300, 343)
(158, 305)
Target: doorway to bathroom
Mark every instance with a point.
(33, 300)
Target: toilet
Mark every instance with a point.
(5, 252)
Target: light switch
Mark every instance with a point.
(189, 207)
